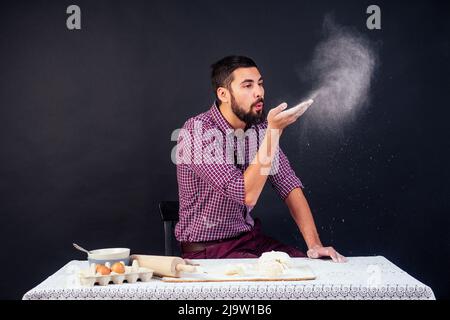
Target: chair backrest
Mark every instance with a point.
(169, 216)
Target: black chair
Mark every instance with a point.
(169, 215)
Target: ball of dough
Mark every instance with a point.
(280, 257)
(270, 269)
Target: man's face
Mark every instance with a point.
(247, 95)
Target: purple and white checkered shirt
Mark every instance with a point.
(211, 160)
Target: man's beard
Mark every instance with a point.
(250, 118)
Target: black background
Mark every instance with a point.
(86, 119)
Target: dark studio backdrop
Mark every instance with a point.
(86, 118)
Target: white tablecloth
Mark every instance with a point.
(359, 278)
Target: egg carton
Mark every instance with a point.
(89, 277)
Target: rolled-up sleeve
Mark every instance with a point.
(284, 179)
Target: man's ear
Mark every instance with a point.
(223, 94)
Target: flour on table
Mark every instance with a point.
(270, 264)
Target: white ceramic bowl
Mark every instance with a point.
(111, 255)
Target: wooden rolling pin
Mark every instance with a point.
(163, 266)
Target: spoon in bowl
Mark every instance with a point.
(80, 248)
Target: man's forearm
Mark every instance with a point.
(257, 172)
(301, 213)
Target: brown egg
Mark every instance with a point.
(97, 266)
(118, 268)
(103, 270)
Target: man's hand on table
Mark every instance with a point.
(318, 251)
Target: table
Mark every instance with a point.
(360, 278)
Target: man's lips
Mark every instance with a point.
(259, 106)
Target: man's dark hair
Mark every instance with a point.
(221, 74)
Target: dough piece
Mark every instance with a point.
(273, 264)
(234, 270)
(271, 269)
(275, 256)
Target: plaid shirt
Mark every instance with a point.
(211, 192)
